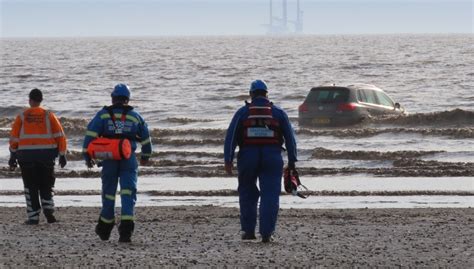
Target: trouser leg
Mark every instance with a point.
(110, 173)
(106, 220)
(128, 187)
(29, 174)
(128, 196)
(46, 185)
(247, 165)
(270, 189)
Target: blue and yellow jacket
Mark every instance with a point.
(134, 128)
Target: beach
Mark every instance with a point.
(209, 236)
(393, 191)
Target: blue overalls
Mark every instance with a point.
(135, 129)
(262, 161)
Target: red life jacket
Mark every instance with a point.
(260, 128)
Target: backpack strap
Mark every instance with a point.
(125, 110)
(111, 114)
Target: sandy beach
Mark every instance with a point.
(209, 236)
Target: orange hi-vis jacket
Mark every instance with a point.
(36, 129)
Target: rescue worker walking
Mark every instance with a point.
(36, 139)
(259, 129)
(119, 121)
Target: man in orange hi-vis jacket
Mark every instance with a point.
(36, 139)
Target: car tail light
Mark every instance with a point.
(303, 108)
(346, 107)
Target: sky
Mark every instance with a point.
(88, 18)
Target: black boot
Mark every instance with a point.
(125, 230)
(103, 229)
(49, 214)
(267, 238)
(31, 222)
(248, 236)
(50, 218)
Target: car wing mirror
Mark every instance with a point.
(397, 106)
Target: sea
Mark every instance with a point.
(188, 88)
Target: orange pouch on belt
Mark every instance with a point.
(110, 149)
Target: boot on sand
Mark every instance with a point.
(126, 228)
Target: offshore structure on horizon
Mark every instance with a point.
(281, 25)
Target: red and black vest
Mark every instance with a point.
(260, 128)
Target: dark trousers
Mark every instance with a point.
(266, 164)
(38, 180)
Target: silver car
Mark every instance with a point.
(344, 105)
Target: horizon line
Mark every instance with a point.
(232, 35)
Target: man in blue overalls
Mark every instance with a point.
(260, 129)
(119, 121)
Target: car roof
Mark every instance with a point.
(355, 86)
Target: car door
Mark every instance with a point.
(387, 105)
(368, 99)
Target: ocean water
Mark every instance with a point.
(188, 88)
(195, 77)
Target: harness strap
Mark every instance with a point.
(123, 117)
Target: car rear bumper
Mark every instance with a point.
(330, 121)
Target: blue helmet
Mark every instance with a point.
(258, 85)
(121, 90)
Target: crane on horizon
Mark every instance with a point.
(279, 25)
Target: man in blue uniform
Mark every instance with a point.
(260, 129)
(117, 122)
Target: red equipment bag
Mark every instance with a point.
(110, 149)
(292, 182)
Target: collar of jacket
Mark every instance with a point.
(260, 100)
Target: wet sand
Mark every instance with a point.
(209, 236)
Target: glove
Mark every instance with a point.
(291, 165)
(12, 163)
(90, 163)
(62, 161)
(228, 168)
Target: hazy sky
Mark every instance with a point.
(57, 18)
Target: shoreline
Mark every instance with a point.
(209, 236)
(234, 193)
(286, 201)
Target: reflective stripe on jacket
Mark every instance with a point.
(37, 128)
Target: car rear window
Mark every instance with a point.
(328, 95)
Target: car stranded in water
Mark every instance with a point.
(336, 105)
